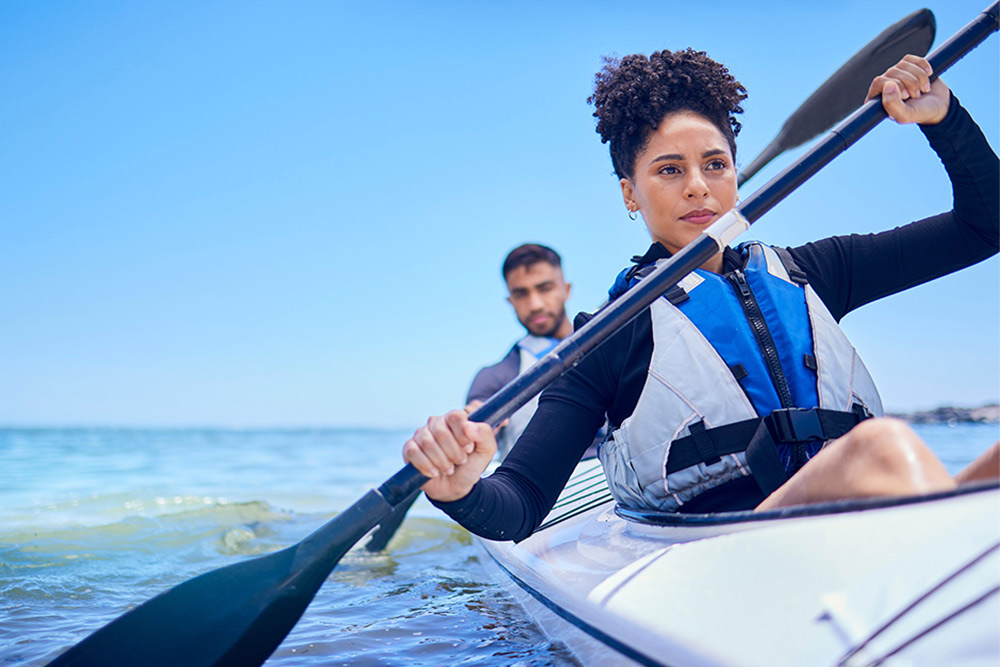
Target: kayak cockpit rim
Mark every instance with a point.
(661, 518)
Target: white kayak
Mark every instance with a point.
(887, 581)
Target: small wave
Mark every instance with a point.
(219, 526)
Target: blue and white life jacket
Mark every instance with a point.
(750, 375)
(531, 349)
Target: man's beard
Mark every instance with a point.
(551, 331)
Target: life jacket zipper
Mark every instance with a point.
(767, 347)
(768, 350)
(763, 335)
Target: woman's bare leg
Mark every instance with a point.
(987, 466)
(878, 457)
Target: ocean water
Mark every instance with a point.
(95, 521)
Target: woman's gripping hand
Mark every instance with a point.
(908, 94)
(453, 452)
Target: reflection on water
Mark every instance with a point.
(95, 521)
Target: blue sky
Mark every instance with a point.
(280, 214)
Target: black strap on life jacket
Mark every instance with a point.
(759, 438)
(676, 295)
(796, 274)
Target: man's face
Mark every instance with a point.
(538, 294)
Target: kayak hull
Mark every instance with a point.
(916, 581)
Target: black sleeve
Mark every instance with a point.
(513, 501)
(491, 379)
(849, 271)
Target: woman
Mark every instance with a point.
(737, 390)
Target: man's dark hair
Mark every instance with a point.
(528, 254)
(633, 94)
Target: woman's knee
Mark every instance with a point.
(883, 440)
(878, 457)
(889, 447)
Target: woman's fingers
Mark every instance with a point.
(412, 453)
(908, 94)
(436, 448)
(452, 453)
(483, 440)
(912, 74)
(458, 421)
(894, 100)
(445, 441)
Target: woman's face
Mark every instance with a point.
(683, 180)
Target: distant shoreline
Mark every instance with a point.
(986, 414)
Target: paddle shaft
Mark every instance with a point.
(613, 317)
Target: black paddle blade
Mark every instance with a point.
(845, 91)
(236, 615)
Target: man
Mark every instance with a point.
(538, 292)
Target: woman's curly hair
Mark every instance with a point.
(634, 93)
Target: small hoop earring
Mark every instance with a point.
(632, 216)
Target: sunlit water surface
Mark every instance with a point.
(95, 521)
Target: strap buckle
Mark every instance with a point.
(795, 425)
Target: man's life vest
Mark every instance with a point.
(531, 349)
(750, 375)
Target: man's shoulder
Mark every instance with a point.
(491, 378)
(581, 319)
(507, 367)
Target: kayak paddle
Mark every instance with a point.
(845, 91)
(380, 538)
(239, 614)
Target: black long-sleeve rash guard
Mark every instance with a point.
(846, 272)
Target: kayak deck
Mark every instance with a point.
(838, 583)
